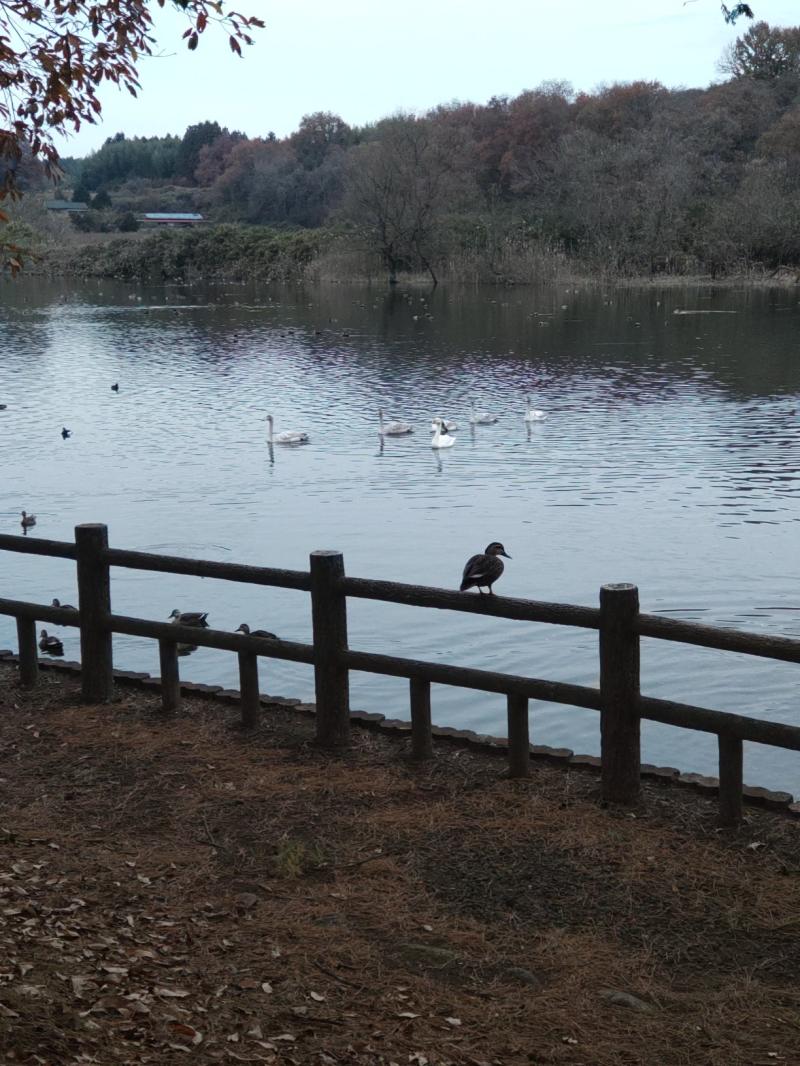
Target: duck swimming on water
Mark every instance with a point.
(190, 618)
(483, 570)
(52, 645)
(28, 520)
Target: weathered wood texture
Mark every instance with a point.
(33, 545)
(329, 621)
(212, 638)
(176, 564)
(786, 649)
(94, 599)
(468, 677)
(496, 606)
(28, 654)
(619, 693)
(723, 723)
(40, 612)
(730, 780)
(248, 687)
(519, 739)
(170, 675)
(421, 734)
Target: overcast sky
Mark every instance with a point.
(364, 59)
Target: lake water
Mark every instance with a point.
(670, 457)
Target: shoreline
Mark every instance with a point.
(754, 796)
(228, 253)
(177, 886)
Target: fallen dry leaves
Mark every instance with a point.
(174, 891)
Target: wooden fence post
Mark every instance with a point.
(421, 736)
(28, 655)
(730, 780)
(248, 687)
(519, 741)
(170, 675)
(94, 603)
(619, 693)
(329, 620)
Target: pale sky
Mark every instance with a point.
(364, 59)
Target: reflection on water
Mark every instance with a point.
(670, 456)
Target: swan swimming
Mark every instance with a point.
(532, 414)
(441, 439)
(481, 418)
(394, 429)
(288, 436)
(451, 427)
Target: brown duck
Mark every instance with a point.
(483, 570)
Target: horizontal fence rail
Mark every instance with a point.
(559, 614)
(468, 677)
(618, 621)
(703, 636)
(212, 638)
(56, 549)
(176, 564)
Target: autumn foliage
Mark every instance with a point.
(55, 55)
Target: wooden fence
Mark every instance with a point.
(618, 621)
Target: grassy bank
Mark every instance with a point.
(494, 255)
(176, 891)
(225, 252)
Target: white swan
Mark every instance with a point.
(289, 436)
(481, 418)
(394, 429)
(451, 427)
(531, 413)
(441, 439)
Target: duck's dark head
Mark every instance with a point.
(496, 548)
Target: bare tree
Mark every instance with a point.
(396, 189)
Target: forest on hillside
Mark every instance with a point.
(630, 179)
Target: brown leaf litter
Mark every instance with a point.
(173, 890)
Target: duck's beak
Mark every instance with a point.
(505, 554)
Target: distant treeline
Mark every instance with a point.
(630, 179)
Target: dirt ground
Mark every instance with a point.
(173, 890)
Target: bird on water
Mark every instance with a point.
(63, 606)
(65, 432)
(288, 436)
(28, 520)
(393, 429)
(52, 645)
(441, 438)
(115, 387)
(483, 570)
(190, 618)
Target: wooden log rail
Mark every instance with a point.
(618, 620)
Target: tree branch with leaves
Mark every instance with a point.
(55, 57)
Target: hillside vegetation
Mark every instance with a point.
(632, 179)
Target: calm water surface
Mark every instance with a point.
(670, 457)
